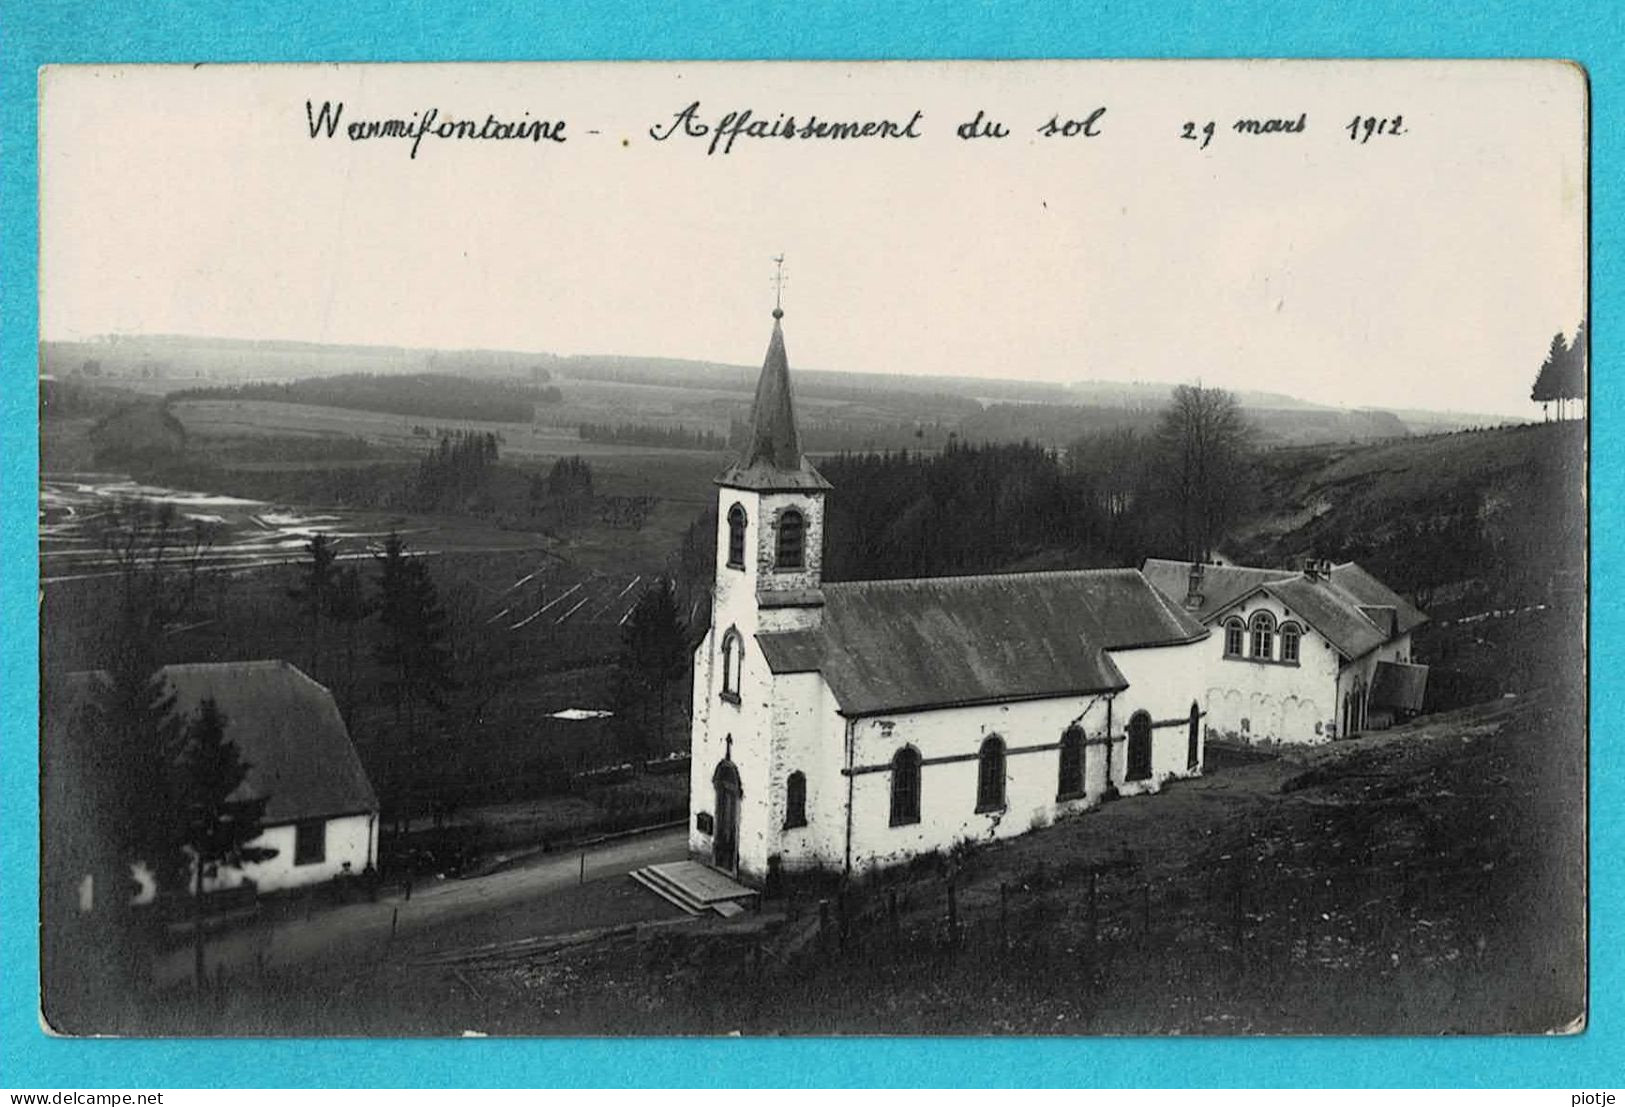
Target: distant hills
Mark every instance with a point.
(172, 362)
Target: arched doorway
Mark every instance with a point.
(1139, 747)
(725, 839)
(1193, 752)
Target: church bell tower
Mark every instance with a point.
(770, 515)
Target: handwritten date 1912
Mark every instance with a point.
(1362, 127)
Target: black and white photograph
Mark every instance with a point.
(1067, 548)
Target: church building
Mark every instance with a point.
(849, 726)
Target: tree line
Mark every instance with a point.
(1562, 376)
(427, 395)
(645, 434)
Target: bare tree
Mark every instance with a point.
(1203, 443)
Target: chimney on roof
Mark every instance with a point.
(1193, 588)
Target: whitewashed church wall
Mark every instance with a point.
(1163, 682)
(809, 737)
(1272, 702)
(733, 600)
(948, 789)
(704, 751)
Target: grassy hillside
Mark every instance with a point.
(1486, 530)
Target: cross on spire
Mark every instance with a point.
(779, 280)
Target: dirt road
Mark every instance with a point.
(448, 913)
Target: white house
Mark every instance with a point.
(322, 813)
(849, 726)
(1298, 657)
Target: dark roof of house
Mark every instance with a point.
(772, 457)
(917, 644)
(1351, 609)
(285, 725)
(1397, 685)
(1222, 585)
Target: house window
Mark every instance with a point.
(1070, 785)
(310, 842)
(1233, 635)
(905, 786)
(736, 537)
(990, 776)
(733, 664)
(792, 530)
(1263, 636)
(1290, 635)
(795, 801)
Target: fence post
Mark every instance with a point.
(583, 878)
(1094, 909)
(1004, 915)
(1235, 911)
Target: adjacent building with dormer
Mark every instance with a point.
(1298, 656)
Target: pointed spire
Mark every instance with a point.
(772, 454)
(773, 437)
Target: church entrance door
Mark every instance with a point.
(725, 842)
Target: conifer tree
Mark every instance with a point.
(1573, 384)
(1549, 380)
(348, 605)
(216, 830)
(414, 648)
(655, 653)
(314, 590)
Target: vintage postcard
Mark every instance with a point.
(1023, 548)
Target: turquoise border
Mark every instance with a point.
(35, 32)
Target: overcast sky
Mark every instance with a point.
(1424, 270)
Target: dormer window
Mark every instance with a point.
(1290, 637)
(736, 537)
(791, 540)
(1263, 636)
(1234, 634)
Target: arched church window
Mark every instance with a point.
(1263, 636)
(795, 801)
(990, 775)
(733, 664)
(1290, 637)
(1139, 747)
(736, 537)
(792, 540)
(1070, 785)
(1234, 633)
(905, 786)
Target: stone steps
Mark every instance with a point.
(695, 888)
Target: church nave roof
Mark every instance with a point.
(886, 646)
